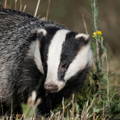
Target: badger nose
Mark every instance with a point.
(51, 87)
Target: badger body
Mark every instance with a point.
(39, 56)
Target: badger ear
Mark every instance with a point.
(83, 37)
(38, 33)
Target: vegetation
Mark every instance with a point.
(98, 99)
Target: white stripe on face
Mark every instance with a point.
(54, 53)
(37, 56)
(34, 52)
(83, 58)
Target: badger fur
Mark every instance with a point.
(39, 56)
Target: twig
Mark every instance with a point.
(85, 25)
(15, 4)
(20, 6)
(24, 8)
(48, 9)
(5, 4)
(37, 6)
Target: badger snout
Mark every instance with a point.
(50, 87)
(53, 87)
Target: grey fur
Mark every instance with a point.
(15, 30)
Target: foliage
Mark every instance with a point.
(97, 100)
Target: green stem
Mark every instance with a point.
(95, 14)
(101, 53)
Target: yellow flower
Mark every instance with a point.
(97, 33)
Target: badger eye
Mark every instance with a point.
(63, 67)
(62, 70)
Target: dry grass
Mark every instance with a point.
(100, 98)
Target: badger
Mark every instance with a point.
(42, 56)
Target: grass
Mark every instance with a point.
(98, 99)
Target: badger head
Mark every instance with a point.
(60, 54)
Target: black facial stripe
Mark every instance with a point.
(77, 80)
(45, 43)
(70, 48)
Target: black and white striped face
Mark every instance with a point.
(63, 54)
